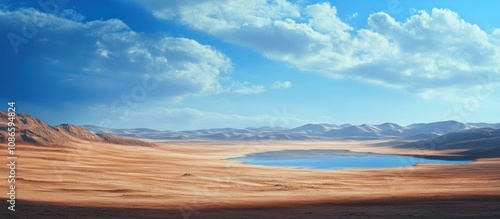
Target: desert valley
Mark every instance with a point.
(68, 172)
(244, 109)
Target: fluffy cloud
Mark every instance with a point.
(65, 60)
(425, 53)
(279, 84)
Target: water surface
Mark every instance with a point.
(341, 159)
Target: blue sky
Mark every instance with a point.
(195, 64)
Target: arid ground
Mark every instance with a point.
(194, 179)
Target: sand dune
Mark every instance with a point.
(115, 179)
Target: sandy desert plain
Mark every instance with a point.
(195, 179)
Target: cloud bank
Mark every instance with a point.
(427, 53)
(68, 60)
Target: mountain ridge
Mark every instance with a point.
(480, 142)
(305, 132)
(30, 130)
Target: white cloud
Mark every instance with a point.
(352, 16)
(495, 35)
(425, 53)
(98, 61)
(279, 84)
(210, 14)
(246, 88)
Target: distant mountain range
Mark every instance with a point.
(472, 139)
(480, 142)
(30, 130)
(306, 132)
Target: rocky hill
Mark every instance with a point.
(30, 130)
(481, 142)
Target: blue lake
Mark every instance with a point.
(342, 159)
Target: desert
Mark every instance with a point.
(108, 180)
(245, 109)
(196, 179)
